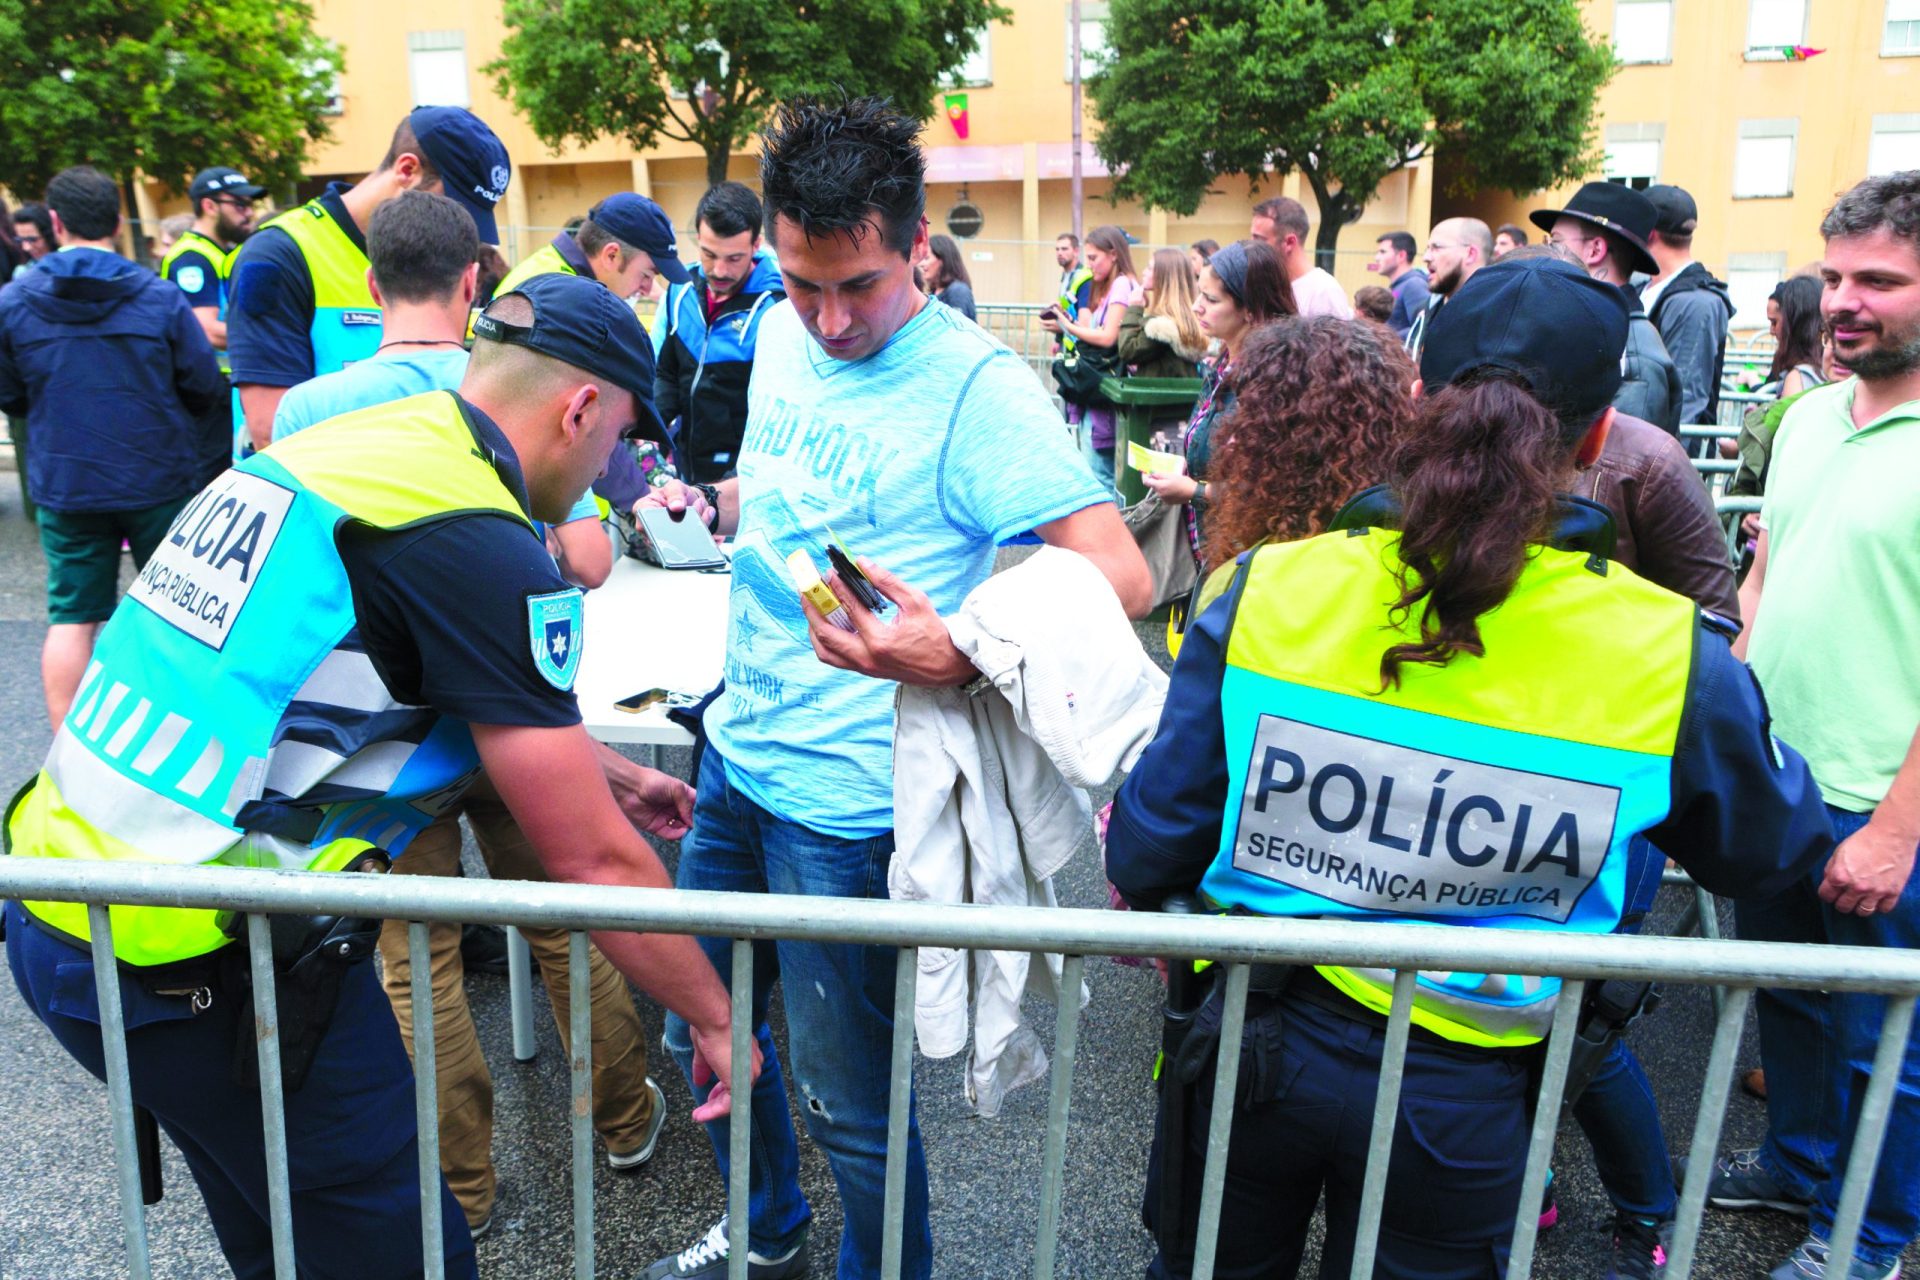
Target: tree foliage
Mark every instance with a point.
(163, 86)
(709, 71)
(1347, 92)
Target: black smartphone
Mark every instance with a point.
(856, 580)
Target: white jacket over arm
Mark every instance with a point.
(988, 789)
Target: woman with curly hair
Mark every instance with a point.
(1318, 403)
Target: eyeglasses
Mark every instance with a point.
(1567, 240)
(234, 202)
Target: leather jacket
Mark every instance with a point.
(1665, 526)
(1649, 385)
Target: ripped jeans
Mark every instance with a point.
(839, 1004)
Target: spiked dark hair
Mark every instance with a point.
(839, 168)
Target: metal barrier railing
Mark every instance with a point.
(1236, 942)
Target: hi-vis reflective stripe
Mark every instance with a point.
(160, 745)
(298, 767)
(346, 679)
(99, 794)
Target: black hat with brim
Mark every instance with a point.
(1614, 208)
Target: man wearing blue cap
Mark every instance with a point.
(354, 677)
(625, 241)
(299, 304)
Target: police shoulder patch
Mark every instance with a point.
(556, 627)
(191, 279)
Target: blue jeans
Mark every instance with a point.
(1817, 1048)
(839, 1003)
(1617, 1113)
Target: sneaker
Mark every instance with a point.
(1740, 1181)
(1639, 1248)
(1809, 1262)
(707, 1258)
(1549, 1207)
(628, 1161)
(478, 1230)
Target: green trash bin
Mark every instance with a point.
(1140, 401)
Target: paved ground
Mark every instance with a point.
(58, 1214)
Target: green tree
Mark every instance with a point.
(1347, 92)
(164, 87)
(709, 71)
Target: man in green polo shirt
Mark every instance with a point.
(1833, 622)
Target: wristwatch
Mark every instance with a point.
(712, 495)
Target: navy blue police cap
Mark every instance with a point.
(578, 321)
(638, 221)
(1556, 327)
(222, 181)
(472, 161)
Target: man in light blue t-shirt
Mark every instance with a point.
(878, 414)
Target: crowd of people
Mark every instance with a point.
(1464, 647)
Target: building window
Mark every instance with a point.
(1895, 146)
(1772, 26)
(1093, 38)
(1902, 34)
(1633, 154)
(977, 71)
(1751, 279)
(1643, 30)
(437, 63)
(336, 101)
(1763, 159)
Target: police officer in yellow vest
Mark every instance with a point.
(625, 241)
(1451, 710)
(200, 259)
(307, 672)
(200, 262)
(299, 303)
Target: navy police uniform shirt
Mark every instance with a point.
(270, 303)
(197, 276)
(443, 609)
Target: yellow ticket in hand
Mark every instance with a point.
(1153, 461)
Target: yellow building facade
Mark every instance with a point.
(1707, 100)
(1014, 164)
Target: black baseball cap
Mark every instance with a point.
(471, 160)
(221, 181)
(1559, 329)
(1621, 210)
(578, 321)
(638, 221)
(1673, 208)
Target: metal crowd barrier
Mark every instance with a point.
(1236, 942)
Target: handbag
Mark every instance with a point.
(1078, 370)
(1159, 529)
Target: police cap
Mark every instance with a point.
(1559, 329)
(579, 322)
(222, 181)
(638, 221)
(472, 161)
